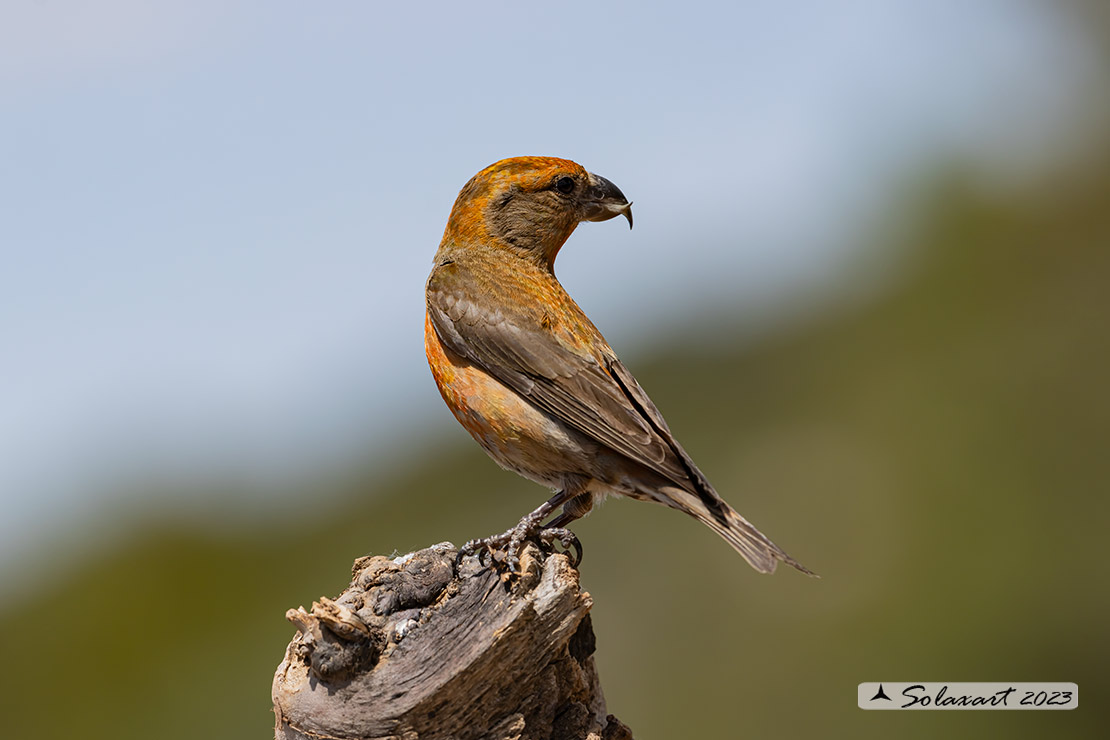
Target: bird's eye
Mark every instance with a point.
(565, 185)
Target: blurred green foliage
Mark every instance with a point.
(938, 453)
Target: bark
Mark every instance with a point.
(418, 648)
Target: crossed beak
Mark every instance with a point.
(604, 200)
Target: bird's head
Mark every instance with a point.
(532, 205)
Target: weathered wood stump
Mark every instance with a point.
(418, 648)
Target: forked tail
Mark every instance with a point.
(757, 549)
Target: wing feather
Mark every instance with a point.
(596, 396)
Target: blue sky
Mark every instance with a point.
(218, 217)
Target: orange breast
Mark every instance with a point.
(486, 408)
(516, 434)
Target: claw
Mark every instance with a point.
(483, 548)
(550, 535)
(511, 544)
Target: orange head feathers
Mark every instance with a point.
(531, 205)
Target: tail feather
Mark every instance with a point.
(760, 552)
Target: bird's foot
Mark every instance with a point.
(505, 549)
(548, 536)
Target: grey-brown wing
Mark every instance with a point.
(604, 403)
(650, 413)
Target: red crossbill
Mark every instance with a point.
(531, 378)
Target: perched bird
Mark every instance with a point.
(531, 378)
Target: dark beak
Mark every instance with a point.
(604, 200)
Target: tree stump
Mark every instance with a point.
(419, 648)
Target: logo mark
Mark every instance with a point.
(880, 694)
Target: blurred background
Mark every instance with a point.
(868, 287)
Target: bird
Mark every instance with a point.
(529, 376)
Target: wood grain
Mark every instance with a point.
(418, 648)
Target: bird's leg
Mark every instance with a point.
(556, 531)
(530, 527)
(575, 508)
